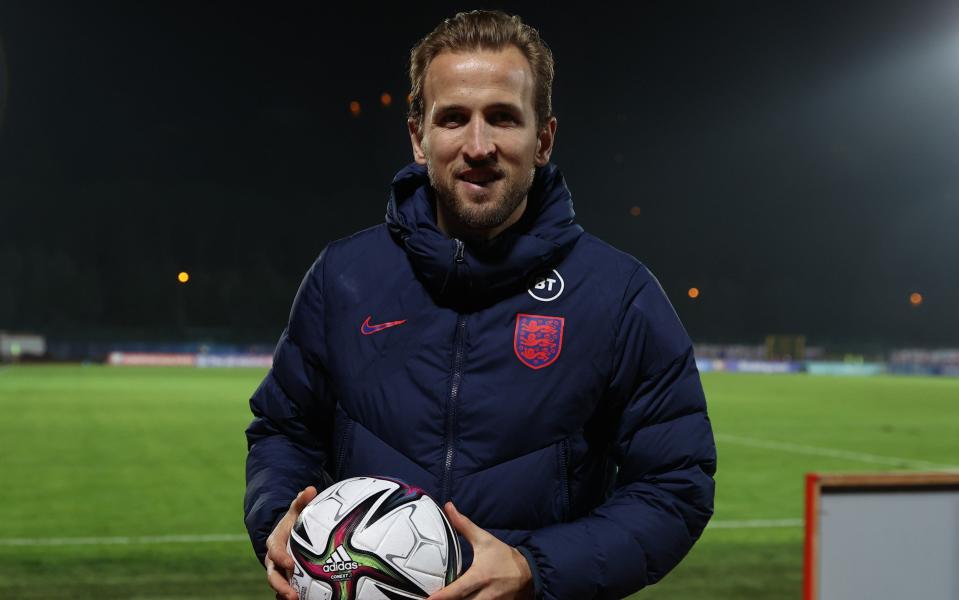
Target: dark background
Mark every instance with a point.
(797, 162)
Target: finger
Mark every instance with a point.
(302, 499)
(464, 526)
(279, 583)
(280, 557)
(276, 543)
(461, 588)
(272, 565)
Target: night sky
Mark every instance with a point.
(796, 162)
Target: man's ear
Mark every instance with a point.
(416, 139)
(545, 141)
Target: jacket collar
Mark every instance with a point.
(477, 274)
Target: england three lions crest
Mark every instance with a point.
(538, 340)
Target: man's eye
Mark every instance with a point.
(504, 117)
(453, 120)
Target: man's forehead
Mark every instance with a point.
(467, 73)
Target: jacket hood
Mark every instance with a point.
(477, 273)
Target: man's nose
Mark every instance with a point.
(479, 141)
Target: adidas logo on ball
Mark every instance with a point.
(340, 561)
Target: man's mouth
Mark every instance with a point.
(480, 177)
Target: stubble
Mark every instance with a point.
(485, 215)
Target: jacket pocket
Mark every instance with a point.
(563, 463)
(345, 439)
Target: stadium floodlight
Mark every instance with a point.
(183, 277)
(693, 293)
(915, 298)
(355, 108)
(386, 99)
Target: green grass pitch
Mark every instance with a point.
(88, 453)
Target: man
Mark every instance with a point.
(481, 346)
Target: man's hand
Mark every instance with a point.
(279, 563)
(498, 570)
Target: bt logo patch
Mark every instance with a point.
(547, 288)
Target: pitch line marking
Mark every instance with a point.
(755, 524)
(226, 537)
(833, 453)
(145, 539)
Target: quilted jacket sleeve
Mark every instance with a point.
(665, 455)
(289, 437)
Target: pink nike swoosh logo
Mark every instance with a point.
(368, 329)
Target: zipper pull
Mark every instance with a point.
(459, 251)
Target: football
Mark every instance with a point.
(370, 538)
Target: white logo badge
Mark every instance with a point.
(547, 287)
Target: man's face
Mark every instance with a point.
(479, 139)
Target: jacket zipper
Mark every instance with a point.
(459, 342)
(564, 475)
(344, 441)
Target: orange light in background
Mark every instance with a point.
(355, 108)
(915, 298)
(409, 98)
(635, 211)
(693, 293)
(183, 277)
(386, 99)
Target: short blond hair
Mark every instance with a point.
(484, 30)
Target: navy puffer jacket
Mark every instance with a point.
(541, 381)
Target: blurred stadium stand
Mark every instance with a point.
(17, 346)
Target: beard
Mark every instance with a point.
(492, 211)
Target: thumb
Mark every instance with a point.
(463, 525)
(302, 499)
(278, 540)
